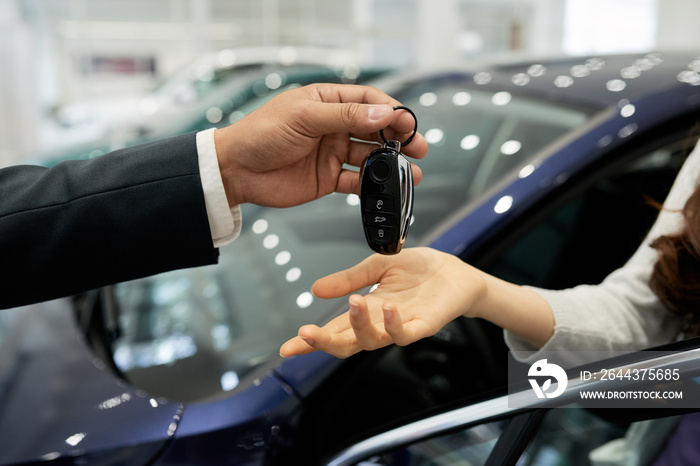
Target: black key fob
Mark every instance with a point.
(386, 198)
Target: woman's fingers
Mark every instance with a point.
(341, 344)
(366, 273)
(392, 323)
(294, 347)
(367, 333)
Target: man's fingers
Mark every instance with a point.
(417, 148)
(358, 151)
(319, 118)
(417, 174)
(348, 182)
(338, 93)
(362, 121)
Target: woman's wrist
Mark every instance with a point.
(519, 310)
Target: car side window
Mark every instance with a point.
(597, 228)
(569, 435)
(468, 447)
(576, 436)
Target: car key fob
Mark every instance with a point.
(386, 196)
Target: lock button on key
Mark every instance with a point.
(381, 235)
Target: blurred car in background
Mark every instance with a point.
(212, 81)
(538, 172)
(243, 94)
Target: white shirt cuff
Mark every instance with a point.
(224, 221)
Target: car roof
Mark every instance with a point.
(605, 79)
(659, 96)
(593, 81)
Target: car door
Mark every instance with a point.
(603, 211)
(567, 432)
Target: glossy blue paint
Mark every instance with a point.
(235, 430)
(56, 401)
(596, 140)
(304, 373)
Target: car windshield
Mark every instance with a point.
(214, 324)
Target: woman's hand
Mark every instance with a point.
(420, 290)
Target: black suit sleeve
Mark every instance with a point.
(83, 224)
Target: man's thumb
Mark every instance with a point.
(350, 117)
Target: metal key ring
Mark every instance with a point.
(415, 129)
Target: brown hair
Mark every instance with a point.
(676, 275)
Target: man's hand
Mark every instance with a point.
(292, 149)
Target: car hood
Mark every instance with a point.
(57, 401)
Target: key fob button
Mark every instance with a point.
(379, 203)
(381, 235)
(378, 218)
(380, 170)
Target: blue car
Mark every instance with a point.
(538, 172)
